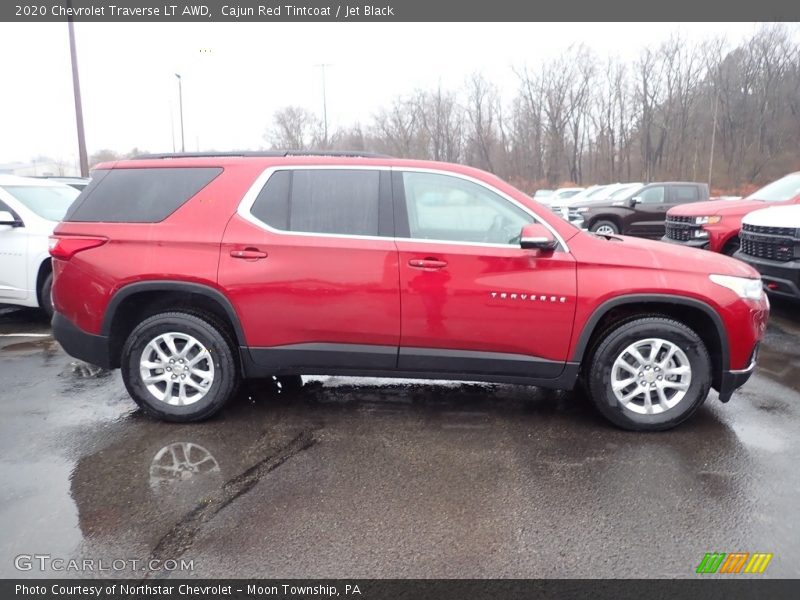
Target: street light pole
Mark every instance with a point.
(324, 105)
(76, 90)
(180, 105)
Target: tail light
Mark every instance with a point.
(65, 247)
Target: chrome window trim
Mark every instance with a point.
(249, 199)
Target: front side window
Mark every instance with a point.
(327, 201)
(442, 207)
(47, 201)
(652, 195)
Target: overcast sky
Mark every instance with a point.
(236, 75)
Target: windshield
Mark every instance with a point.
(48, 201)
(785, 188)
(600, 190)
(624, 191)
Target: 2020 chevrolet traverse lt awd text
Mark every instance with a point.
(192, 272)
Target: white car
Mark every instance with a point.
(560, 195)
(566, 199)
(29, 210)
(770, 242)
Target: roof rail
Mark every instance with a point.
(264, 153)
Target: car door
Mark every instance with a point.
(649, 212)
(310, 265)
(13, 258)
(473, 301)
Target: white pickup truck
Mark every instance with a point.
(29, 210)
(770, 242)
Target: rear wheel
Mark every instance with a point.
(650, 374)
(179, 367)
(45, 296)
(604, 228)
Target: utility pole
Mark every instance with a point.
(713, 138)
(76, 90)
(180, 105)
(324, 104)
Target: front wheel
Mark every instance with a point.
(650, 374)
(604, 228)
(179, 367)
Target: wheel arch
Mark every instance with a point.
(137, 301)
(696, 314)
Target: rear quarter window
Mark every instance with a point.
(138, 195)
(686, 193)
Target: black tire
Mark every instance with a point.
(212, 336)
(617, 341)
(45, 297)
(610, 224)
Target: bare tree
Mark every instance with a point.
(295, 128)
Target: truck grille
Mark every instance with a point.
(679, 228)
(785, 231)
(769, 243)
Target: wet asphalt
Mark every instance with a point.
(364, 478)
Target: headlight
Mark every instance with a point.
(751, 289)
(707, 220)
(582, 209)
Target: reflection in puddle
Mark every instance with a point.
(178, 462)
(83, 370)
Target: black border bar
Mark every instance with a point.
(205, 11)
(731, 588)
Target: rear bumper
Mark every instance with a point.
(76, 342)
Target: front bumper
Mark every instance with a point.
(780, 278)
(701, 243)
(734, 379)
(88, 347)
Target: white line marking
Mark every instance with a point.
(25, 335)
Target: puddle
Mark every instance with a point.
(758, 436)
(46, 344)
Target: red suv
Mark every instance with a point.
(715, 225)
(191, 272)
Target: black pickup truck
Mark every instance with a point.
(640, 212)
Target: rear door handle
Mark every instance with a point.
(427, 263)
(249, 254)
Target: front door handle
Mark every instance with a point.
(249, 254)
(427, 263)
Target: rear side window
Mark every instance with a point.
(686, 193)
(332, 201)
(138, 195)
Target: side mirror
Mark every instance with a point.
(6, 218)
(635, 200)
(537, 237)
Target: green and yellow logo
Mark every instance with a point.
(734, 563)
